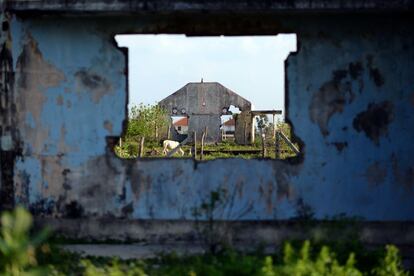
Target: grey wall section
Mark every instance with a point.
(350, 100)
(198, 123)
(204, 98)
(204, 103)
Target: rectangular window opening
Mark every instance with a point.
(207, 97)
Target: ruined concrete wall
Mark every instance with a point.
(70, 94)
(243, 132)
(204, 103)
(350, 100)
(9, 135)
(199, 123)
(207, 98)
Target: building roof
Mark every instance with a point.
(181, 122)
(203, 98)
(230, 122)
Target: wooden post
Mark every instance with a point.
(263, 143)
(156, 132)
(141, 147)
(120, 142)
(169, 132)
(195, 145)
(202, 145)
(252, 134)
(277, 146)
(289, 143)
(274, 127)
(245, 133)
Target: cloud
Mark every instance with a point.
(251, 66)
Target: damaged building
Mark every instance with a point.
(349, 99)
(204, 103)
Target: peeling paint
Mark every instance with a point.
(375, 73)
(340, 146)
(376, 174)
(97, 85)
(108, 126)
(374, 120)
(330, 99)
(403, 176)
(33, 76)
(70, 98)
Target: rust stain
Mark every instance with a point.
(376, 174)
(268, 197)
(283, 173)
(374, 72)
(239, 187)
(52, 177)
(34, 74)
(140, 183)
(403, 177)
(330, 99)
(340, 146)
(355, 70)
(412, 99)
(61, 145)
(374, 120)
(97, 85)
(177, 173)
(108, 126)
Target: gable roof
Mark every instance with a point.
(181, 122)
(230, 122)
(203, 98)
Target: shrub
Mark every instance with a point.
(17, 248)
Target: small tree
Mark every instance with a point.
(149, 121)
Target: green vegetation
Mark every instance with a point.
(148, 121)
(152, 122)
(23, 254)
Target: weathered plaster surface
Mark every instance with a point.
(349, 91)
(203, 103)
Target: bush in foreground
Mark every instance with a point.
(23, 254)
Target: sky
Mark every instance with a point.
(251, 66)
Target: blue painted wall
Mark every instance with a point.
(350, 94)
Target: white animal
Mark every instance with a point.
(170, 144)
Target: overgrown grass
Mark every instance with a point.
(306, 259)
(24, 254)
(153, 148)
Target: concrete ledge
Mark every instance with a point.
(238, 6)
(249, 232)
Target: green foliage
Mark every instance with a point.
(390, 264)
(149, 121)
(21, 254)
(114, 268)
(301, 263)
(17, 248)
